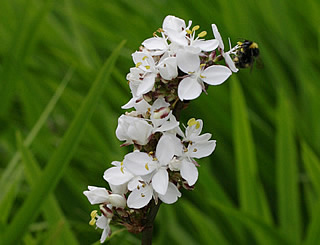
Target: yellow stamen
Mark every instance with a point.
(146, 166)
(121, 169)
(185, 150)
(92, 221)
(150, 153)
(195, 28)
(239, 43)
(93, 214)
(147, 67)
(192, 122)
(155, 159)
(202, 65)
(202, 76)
(202, 34)
(138, 64)
(144, 57)
(189, 32)
(195, 150)
(142, 195)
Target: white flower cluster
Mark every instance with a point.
(168, 70)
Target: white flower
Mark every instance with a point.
(142, 77)
(168, 67)
(143, 164)
(117, 175)
(191, 87)
(143, 193)
(198, 146)
(99, 195)
(161, 116)
(133, 130)
(139, 104)
(175, 28)
(226, 55)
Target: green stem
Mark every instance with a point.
(148, 228)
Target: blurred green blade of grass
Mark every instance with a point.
(175, 230)
(10, 191)
(270, 234)
(22, 42)
(61, 157)
(51, 210)
(11, 167)
(207, 230)
(247, 173)
(287, 171)
(313, 234)
(312, 166)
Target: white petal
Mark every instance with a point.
(230, 62)
(188, 62)
(168, 146)
(117, 175)
(160, 102)
(194, 131)
(189, 89)
(216, 74)
(217, 36)
(207, 45)
(119, 189)
(139, 163)
(134, 183)
(160, 181)
(174, 23)
(168, 68)
(155, 43)
(96, 195)
(103, 223)
(117, 200)
(139, 198)
(202, 149)
(146, 84)
(171, 195)
(189, 172)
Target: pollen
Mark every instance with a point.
(192, 122)
(146, 166)
(202, 34)
(195, 28)
(142, 195)
(138, 64)
(93, 215)
(195, 150)
(147, 67)
(189, 32)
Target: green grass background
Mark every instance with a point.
(62, 82)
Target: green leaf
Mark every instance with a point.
(61, 157)
(287, 172)
(312, 166)
(51, 210)
(270, 234)
(206, 228)
(251, 194)
(12, 165)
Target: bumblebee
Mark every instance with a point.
(246, 54)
